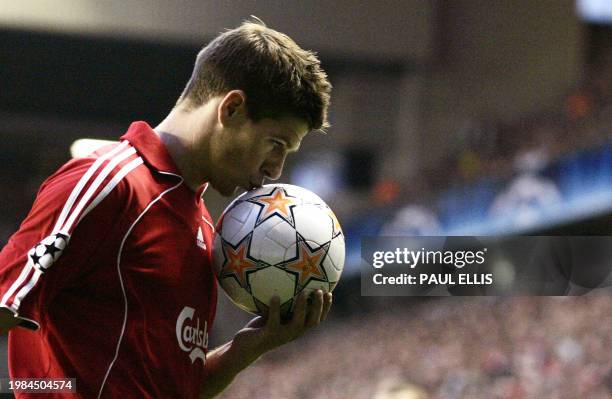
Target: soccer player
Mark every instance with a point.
(109, 280)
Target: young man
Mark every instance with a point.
(105, 280)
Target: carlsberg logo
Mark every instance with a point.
(191, 338)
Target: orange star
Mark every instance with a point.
(276, 202)
(237, 262)
(308, 265)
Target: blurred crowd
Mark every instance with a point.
(447, 348)
(491, 148)
(500, 176)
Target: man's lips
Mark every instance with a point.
(253, 186)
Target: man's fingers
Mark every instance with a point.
(257, 322)
(315, 309)
(327, 302)
(299, 311)
(274, 313)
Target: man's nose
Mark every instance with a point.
(273, 169)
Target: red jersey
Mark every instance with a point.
(111, 272)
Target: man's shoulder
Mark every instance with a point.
(115, 176)
(111, 165)
(102, 177)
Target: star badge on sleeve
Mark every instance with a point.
(46, 252)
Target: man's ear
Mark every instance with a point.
(232, 109)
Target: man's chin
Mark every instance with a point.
(230, 192)
(225, 191)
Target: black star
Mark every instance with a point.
(35, 258)
(51, 249)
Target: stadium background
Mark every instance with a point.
(448, 117)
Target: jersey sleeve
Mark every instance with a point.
(75, 211)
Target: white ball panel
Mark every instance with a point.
(238, 295)
(313, 223)
(283, 234)
(333, 274)
(239, 222)
(291, 251)
(336, 253)
(241, 211)
(270, 240)
(266, 283)
(270, 252)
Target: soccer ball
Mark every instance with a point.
(278, 239)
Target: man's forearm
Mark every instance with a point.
(222, 365)
(260, 336)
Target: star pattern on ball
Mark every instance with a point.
(309, 263)
(237, 263)
(276, 203)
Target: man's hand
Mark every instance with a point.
(261, 334)
(7, 320)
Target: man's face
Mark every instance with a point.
(246, 156)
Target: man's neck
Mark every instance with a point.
(181, 154)
(186, 135)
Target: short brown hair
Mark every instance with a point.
(278, 77)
